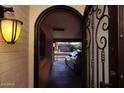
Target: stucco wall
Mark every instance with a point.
(14, 57)
(34, 12)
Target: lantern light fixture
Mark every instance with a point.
(10, 27)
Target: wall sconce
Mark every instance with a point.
(10, 27)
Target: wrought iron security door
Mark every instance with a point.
(97, 50)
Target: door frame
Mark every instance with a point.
(40, 18)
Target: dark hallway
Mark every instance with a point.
(62, 76)
(55, 27)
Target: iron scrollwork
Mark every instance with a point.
(97, 26)
(101, 39)
(101, 26)
(88, 25)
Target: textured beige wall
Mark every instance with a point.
(35, 10)
(14, 57)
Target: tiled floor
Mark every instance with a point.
(63, 77)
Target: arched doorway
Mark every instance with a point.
(55, 24)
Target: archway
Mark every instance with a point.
(48, 30)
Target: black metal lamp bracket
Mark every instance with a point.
(4, 9)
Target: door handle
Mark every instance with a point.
(121, 35)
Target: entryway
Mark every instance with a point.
(58, 24)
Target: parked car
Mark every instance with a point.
(72, 56)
